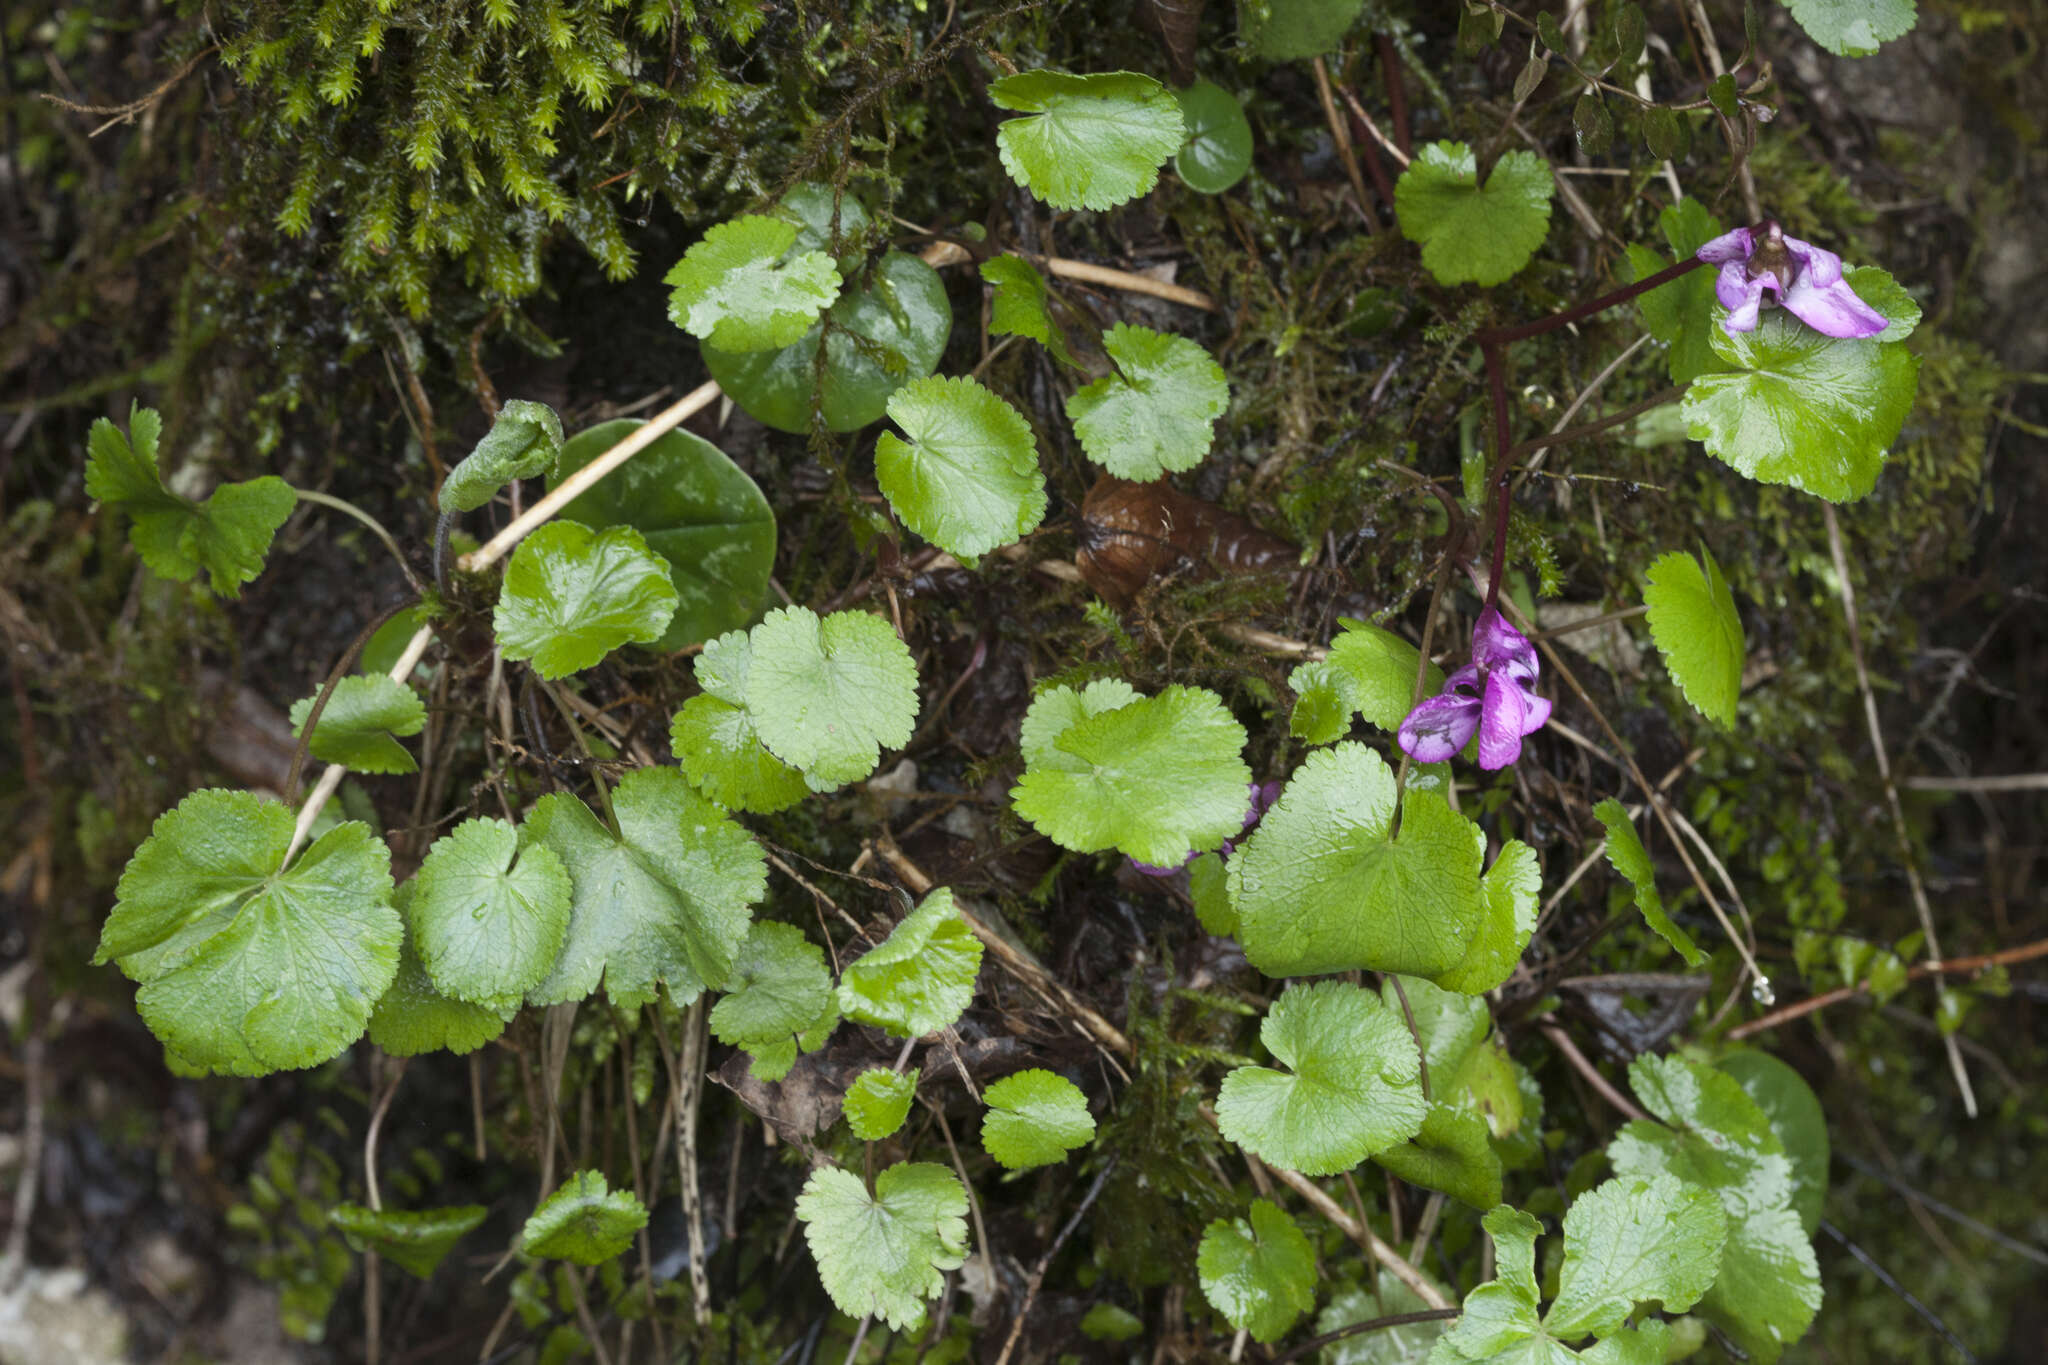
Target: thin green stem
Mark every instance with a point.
(376, 527)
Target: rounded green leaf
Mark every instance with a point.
(1452, 1152)
(1021, 305)
(1626, 852)
(413, 1017)
(1680, 313)
(1295, 30)
(1156, 779)
(884, 334)
(1158, 413)
(663, 900)
(1877, 288)
(1034, 1119)
(1511, 888)
(573, 595)
(524, 440)
(885, 1255)
(584, 1221)
(1353, 1086)
(967, 479)
(1473, 233)
(715, 742)
(1260, 1275)
(918, 980)
(1087, 142)
(1696, 627)
(827, 696)
(247, 966)
(1321, 887)
(812, 206)
(697, 510)
(1380, 667)
(1219, 147)
(1407, 1344)
(742, 288)
(1853, 28)
(415, 1240)
(1800, 408)
(360, 725)
(487, 916)
(779, 989)
(878, 1101)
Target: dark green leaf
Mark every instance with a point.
(1667, 134)
(1295, 30)
(414, 1240)
(1219, 146)
(1592, 125)
(360, 725)
(584, 1221)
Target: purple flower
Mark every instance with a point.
(1802, 277)
(1262, 797)
(1493, 695)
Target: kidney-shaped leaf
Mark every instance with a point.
(779, 990)
(573, 595)
(1631, 1240)
(1087, 142)
(489, 916)
(663, 900)
(1320, 887)
(1156, 779)
(715, 742)
(1801, 408)
(827, 696)
(878, 1101)
(696, 509)
(584, 1221)
(413, 1016)
(247, 966)
(918, 980)
(967, 477)
(885, 1255)
(1155, 415)
(1034, 1119)
(1481, 234)
(1353, 1087)
(1260, 1275)
(1219, 146)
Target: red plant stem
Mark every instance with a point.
(1397, 94)
(1493, 344)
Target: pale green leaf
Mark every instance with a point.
(1087, 142)
(827, 696)
(1500, 1321)
(1801, 408)
(1209, 888)
(1324, 698)
(1156, 779)
(584, 1221)
(573, 595)
(246, 966)
(416, 1240)
(1352, 1087)
(1452, 1152)
(1021, 305)
(697, 510)
(1448, 1024)
(967, 477)
(1320, 887)
(884, 335)
(1155, 415)
(487, 916)
(1853, 28)
(878, 1101)
(1626, 852)
(413, 1016)
(885, 1255)
(664, 899)
(1260, 1275)
(360, 725)
(1104, 1321)
(1407, 1344)
(1768, 1288)
(918, 980)
(1291, 30)
(1034, 1119)
(1057, 710)
(523, 442)
(1694, 622)
(1219, 147)
(1512, 889)
(715, 742)
(1380, 668)
(1472, 233)
(779, 991)
(741, 288)
(1632, 1240)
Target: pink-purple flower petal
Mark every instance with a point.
(1505, 719)
(1834, 310)
(1729, 246)
(1439, 727)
